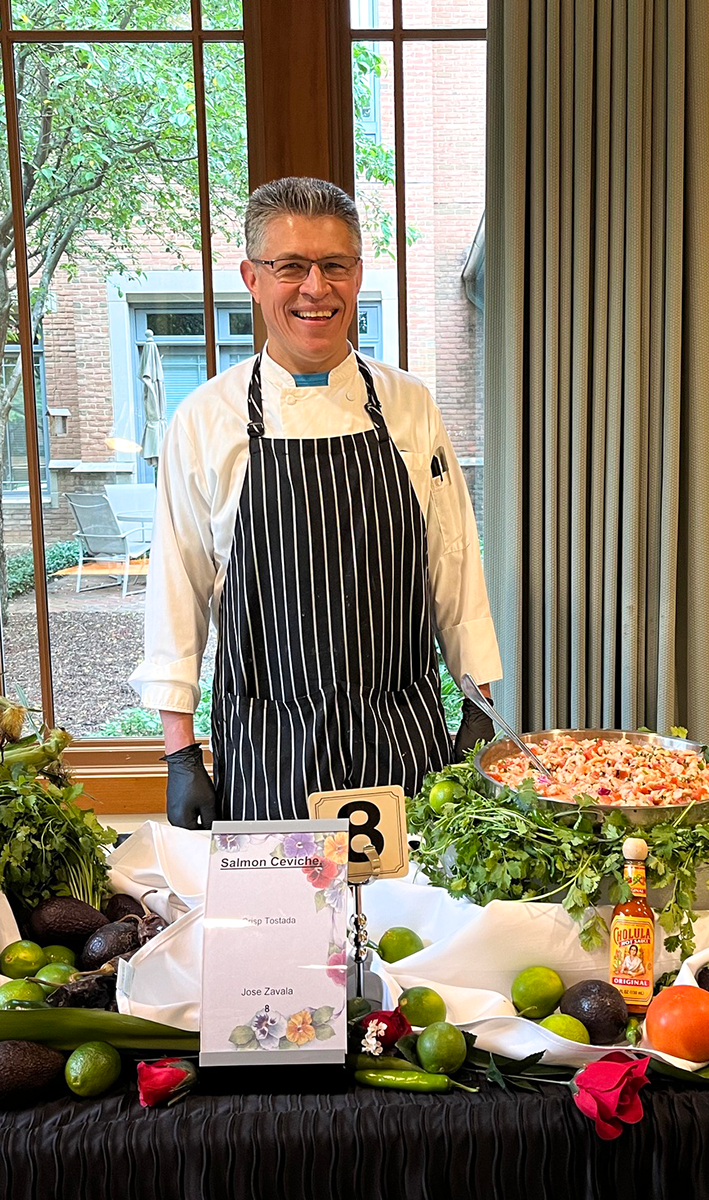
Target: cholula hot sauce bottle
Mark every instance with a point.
(633, 933)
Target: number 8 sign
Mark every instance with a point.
(377, 818)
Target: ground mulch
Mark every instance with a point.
(96, 642)
(92, 656)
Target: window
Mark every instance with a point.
(180, 337)
(118, 236)
(422, 192)
(15, 470)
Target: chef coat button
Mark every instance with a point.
(350, 396)
(290, 398)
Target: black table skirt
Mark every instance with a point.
(332, 1140)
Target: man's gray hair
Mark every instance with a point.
(297, 195)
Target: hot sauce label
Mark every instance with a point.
(635, 875)
(631, 971)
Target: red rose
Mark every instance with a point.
(607, 1091)
(322, 872)
(395, 1026)
(158, 1081)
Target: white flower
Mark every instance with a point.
(370, 1041)
(269, 1028)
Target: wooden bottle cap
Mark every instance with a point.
(635, 849)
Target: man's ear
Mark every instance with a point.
(250, 278)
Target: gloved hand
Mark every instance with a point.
(475, 726)
(191, 799)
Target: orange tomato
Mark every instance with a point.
(677, 1022)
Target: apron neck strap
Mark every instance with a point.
(255, 427)
(373, 406)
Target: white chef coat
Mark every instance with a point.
(201, 473)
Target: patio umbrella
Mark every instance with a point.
(153, 381)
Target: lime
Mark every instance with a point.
(422, 1006)
(536, 992)
(440, 1048)
(567, 1027)
(20, 989)
(444, 792)
(92, 1068)
(399, 942)
(60, 954)
(54, 975)
(21, 958)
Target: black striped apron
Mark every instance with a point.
(326, 674)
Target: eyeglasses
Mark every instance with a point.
(295, 270)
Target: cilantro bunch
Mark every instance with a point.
(48, 845)
(511, 847)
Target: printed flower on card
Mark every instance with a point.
(336, 969)
(295, 844)
(335, 896)
(300, 1028)
(269, 1028)
(336, 847)
(321, 873)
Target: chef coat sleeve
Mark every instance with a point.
(181, 580)
(461, 611)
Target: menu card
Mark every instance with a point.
(274, 972)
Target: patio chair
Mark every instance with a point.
(100, 538)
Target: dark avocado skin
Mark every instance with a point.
(703, 978)
(65, 921)
(600, 1007)
(110, 941)
(27, 1067)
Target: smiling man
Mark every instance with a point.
(309, 501)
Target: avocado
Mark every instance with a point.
(120, 938)
(703, 978)
(120, 904)
(27, 1067)
(65, 920)
(598, 1006)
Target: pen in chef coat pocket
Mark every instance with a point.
(439, 467)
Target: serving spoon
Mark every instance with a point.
(473, 693)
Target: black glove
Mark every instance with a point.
(191, 799)
(475, 726)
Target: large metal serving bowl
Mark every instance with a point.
(644, 815)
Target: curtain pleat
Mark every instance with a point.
(597, 360)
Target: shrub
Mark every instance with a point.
(20, 567)
(144, 722)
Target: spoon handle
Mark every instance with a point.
(472, 691)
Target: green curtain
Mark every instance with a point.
(597, 361)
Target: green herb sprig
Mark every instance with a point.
(510, 847)
(48, 845)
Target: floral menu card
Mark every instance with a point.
(274, 971)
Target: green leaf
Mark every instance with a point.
(242, 1036)
(323, 1032)
(284, 1044)
(320, 901)
(406, 1046)
(494, 1074)
(322, 1015)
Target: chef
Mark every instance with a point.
(310, 503)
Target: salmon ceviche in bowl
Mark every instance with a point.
(617, 772)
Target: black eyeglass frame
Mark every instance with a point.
(317, 262)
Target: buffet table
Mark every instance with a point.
(330, 1140)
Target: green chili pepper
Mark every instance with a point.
(410, 1081)
(634, 1031)
(370, 1062)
